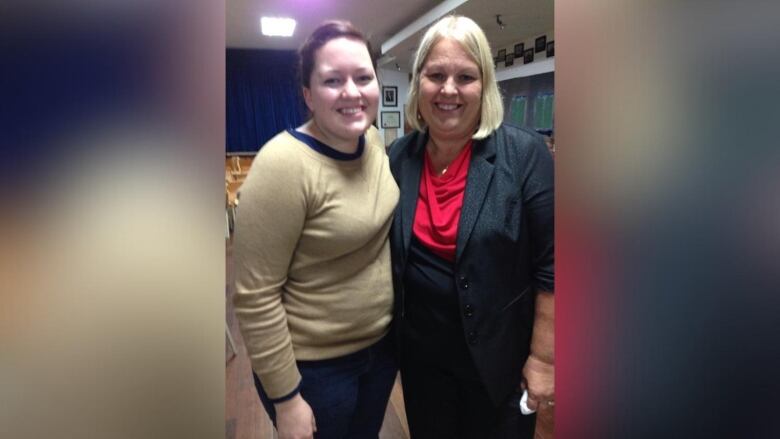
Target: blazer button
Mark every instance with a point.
(464, 283)
(468, 310)
(472, 337)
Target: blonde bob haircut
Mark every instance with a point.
(470, 36)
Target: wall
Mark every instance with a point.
(529, 43)
(532, 87)
(530, 80)
(400, 79)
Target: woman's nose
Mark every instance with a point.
(448, 87)
(351, 89)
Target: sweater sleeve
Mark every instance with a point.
(269, 223)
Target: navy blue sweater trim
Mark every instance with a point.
(327, 150)
(287, 397)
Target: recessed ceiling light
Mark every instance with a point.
(277, 27)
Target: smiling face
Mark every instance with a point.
(450, 91)
(343, 93)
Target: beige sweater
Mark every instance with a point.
(312, 256)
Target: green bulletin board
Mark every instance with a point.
(543, 111)
(517, 110)
(529, 101)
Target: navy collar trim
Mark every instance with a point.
(326, 150)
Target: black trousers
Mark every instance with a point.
(447, 401)
(443, 392)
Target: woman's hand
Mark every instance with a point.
(539, 380)
(294, 419)
(539, 368)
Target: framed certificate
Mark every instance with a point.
(391, 119)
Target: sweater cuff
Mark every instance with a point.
(280, 384)
(287, 397)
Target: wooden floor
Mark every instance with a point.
(245, 417)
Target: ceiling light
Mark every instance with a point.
(277, 27)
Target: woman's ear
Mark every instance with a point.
(307, 98)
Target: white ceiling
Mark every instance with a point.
(380, 20)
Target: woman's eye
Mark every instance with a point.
(332, 81)
(467, 78)
(365, 79)
(438, 77)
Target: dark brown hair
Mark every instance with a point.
(325, 32)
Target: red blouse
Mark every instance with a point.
(439, 203)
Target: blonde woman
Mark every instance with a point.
(472, 248)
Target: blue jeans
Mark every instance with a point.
(348, 394)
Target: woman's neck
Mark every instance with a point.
(446, 147)
(442, 151)
(346, 146)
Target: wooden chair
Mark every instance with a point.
(235, 164)
(232, 188)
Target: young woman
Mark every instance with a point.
(314, 292)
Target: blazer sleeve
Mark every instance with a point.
(539, 205)
(394, 152)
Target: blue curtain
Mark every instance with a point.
(262, 97)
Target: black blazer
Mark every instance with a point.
(504, 247)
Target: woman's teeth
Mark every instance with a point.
(447, 107)
(349, 110)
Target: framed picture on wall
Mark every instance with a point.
(510, 59)
(501, 55)
(519, 49)
(550, 49)
(391, 119)
(390, 96)
(541, 44)
(528, 56)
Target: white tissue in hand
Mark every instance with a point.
(524, 404)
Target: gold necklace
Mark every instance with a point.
(436, 147)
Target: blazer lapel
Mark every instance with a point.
(410, 184)
(477, 182)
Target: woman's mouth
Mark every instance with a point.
(447, 107)
(350, 111)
